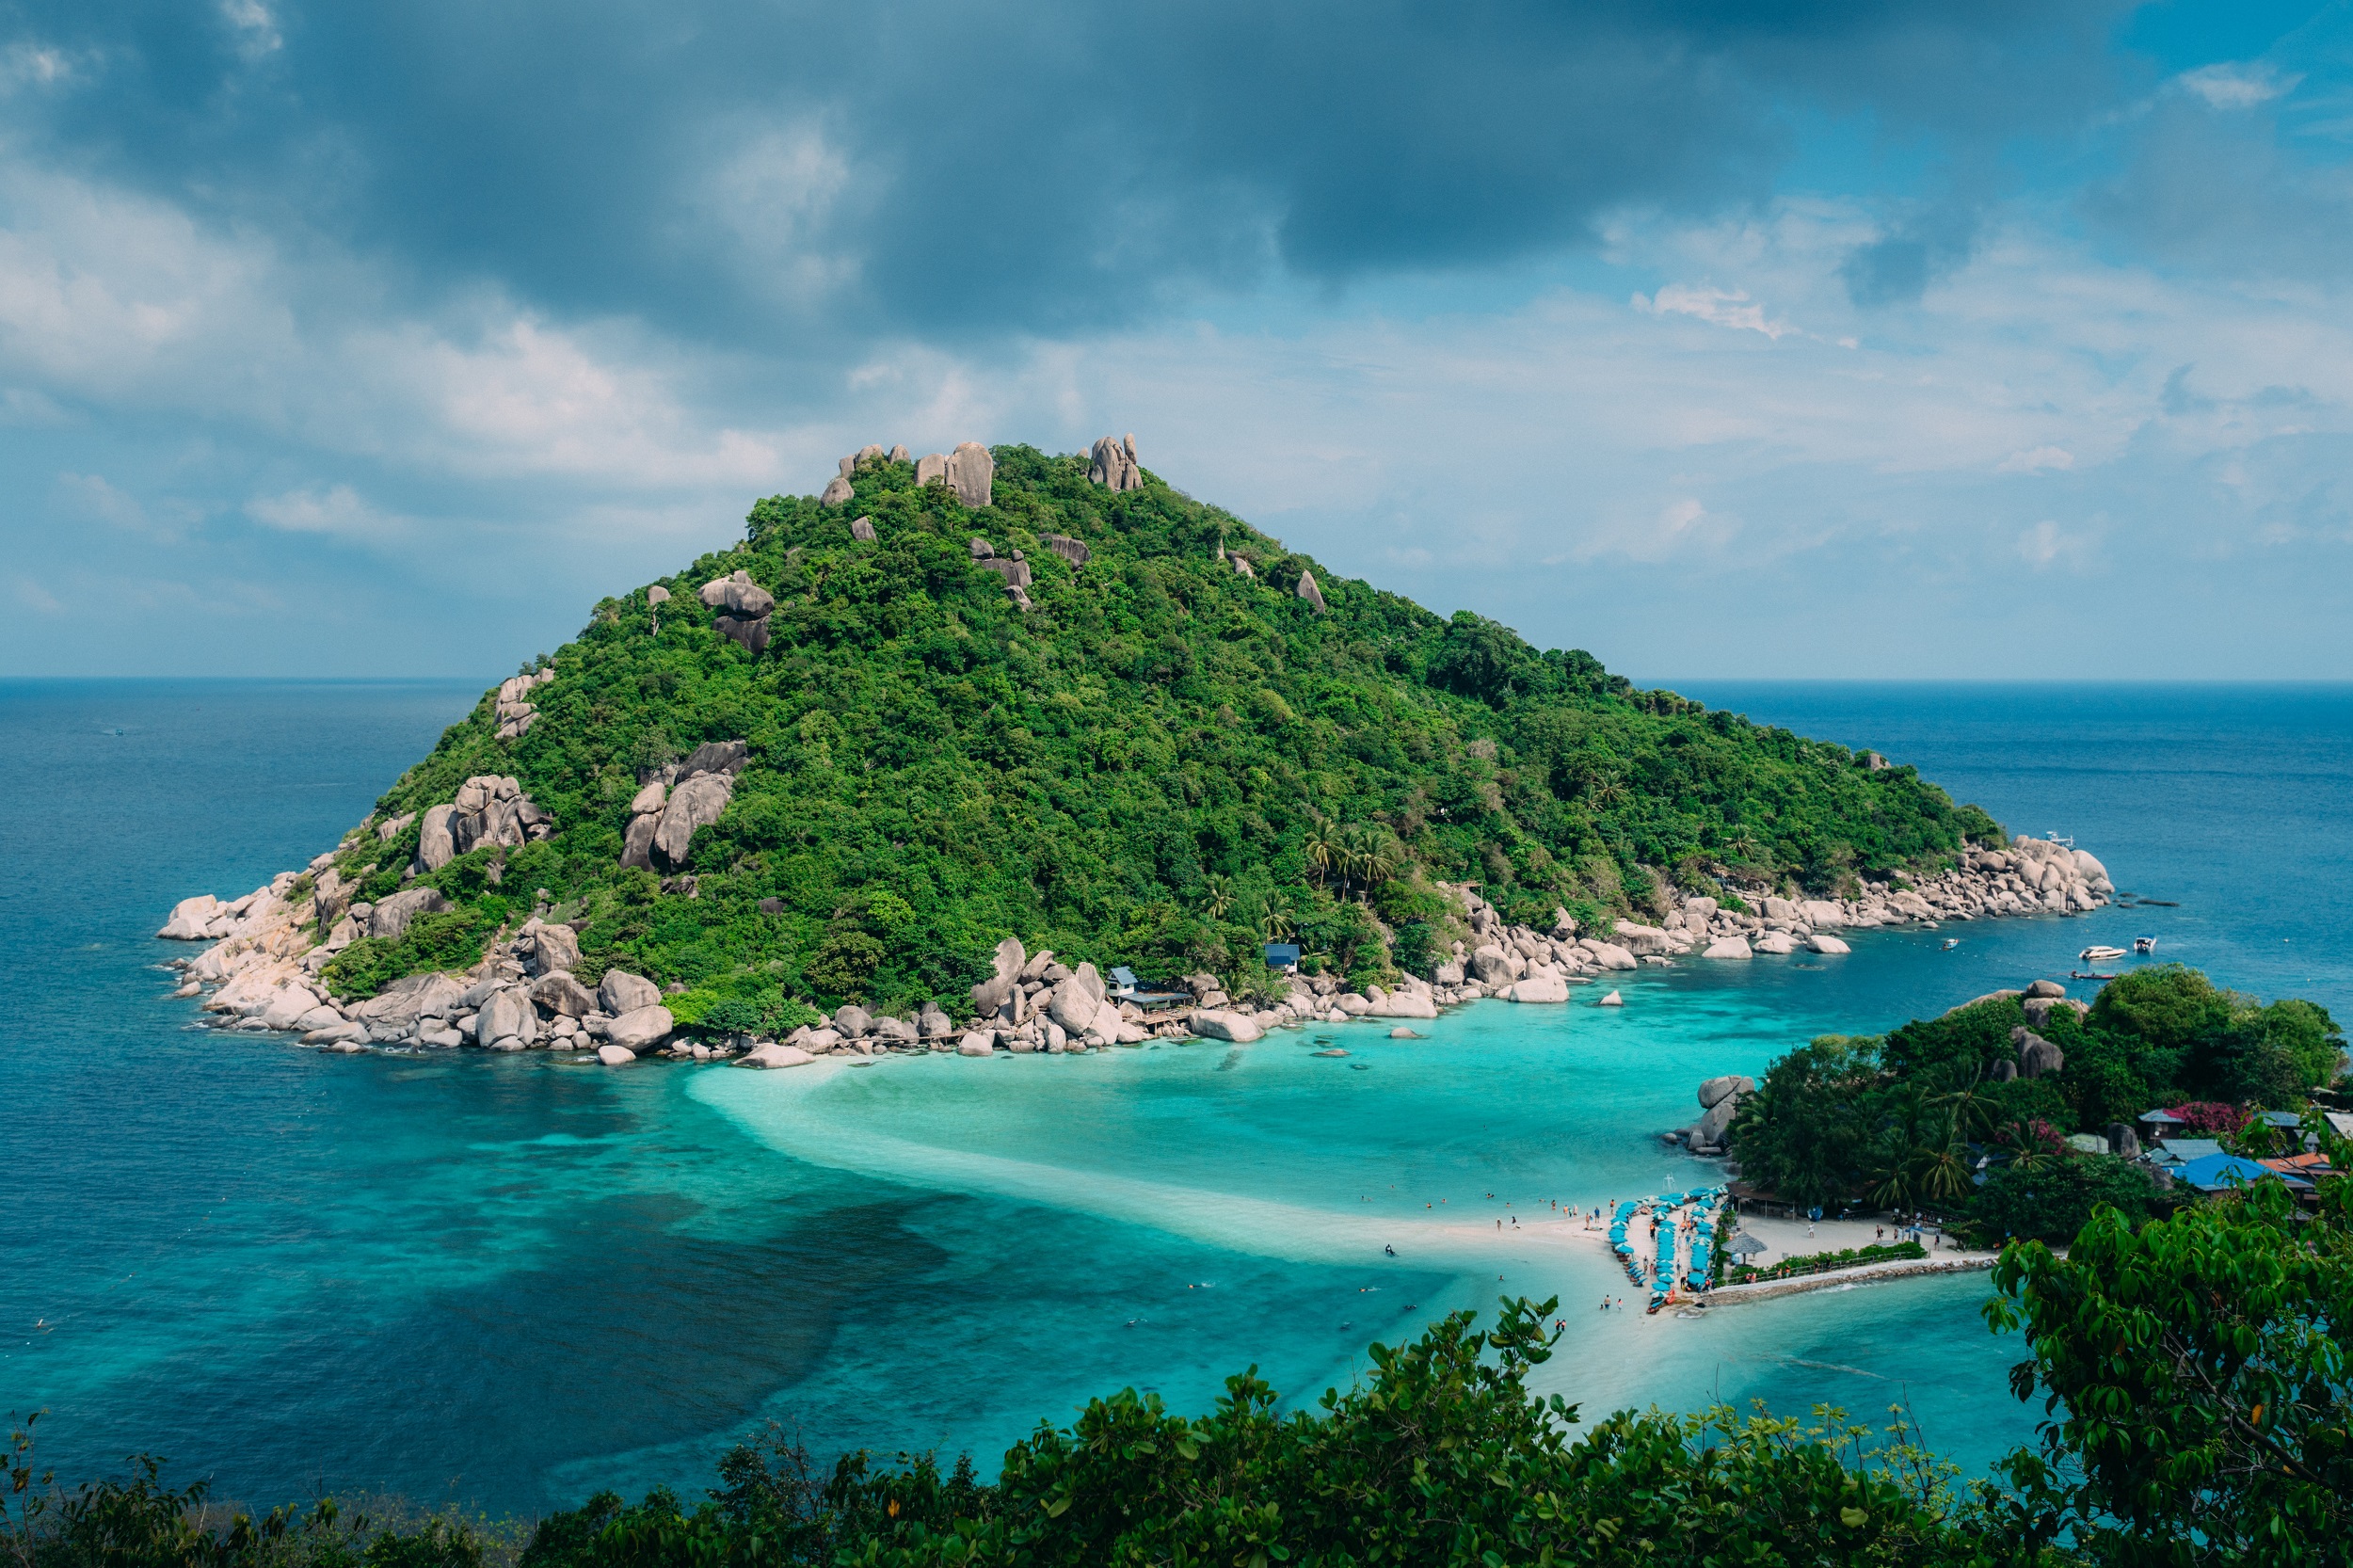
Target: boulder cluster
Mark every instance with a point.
(2034, 877)
(1519, 964)
(1036, 1004)
(744, 608)
(515, 712)
(489, 809)
(1014, 566)
(677, 800)
(969, 470)
(1112, 464)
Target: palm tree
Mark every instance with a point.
(1370, 854)
(1217, 896)
(1274, 922)
(1967, 1106)
(1944, 1169)
(1323, 848)
(1892, 1174)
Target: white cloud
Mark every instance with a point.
(2046, 544)
(1724, 306)
(33, 596)
(87, 497)
(254, 27)
(2237, 86)
(2037, 461)
(337, 511)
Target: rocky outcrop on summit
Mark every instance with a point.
(1112, 464)
(971, 472)
(1310, 592)
(686, 796)
(744, 608)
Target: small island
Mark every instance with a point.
(943, 757)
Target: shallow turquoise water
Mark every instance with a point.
(508, 1282)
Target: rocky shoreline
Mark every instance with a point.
(263, 972)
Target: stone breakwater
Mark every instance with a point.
(264, 973)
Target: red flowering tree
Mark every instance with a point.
(2210, 1117)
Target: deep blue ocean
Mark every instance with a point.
(507, 1283)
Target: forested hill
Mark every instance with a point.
(1161, 761)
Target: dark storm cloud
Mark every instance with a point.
(822, 173)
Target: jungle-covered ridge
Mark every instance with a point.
(1163, 761)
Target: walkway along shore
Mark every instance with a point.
(1765, 1289)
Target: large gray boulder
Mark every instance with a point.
(1077, 1001)
(930, 467)
(637, 844)
(1496, 966)
(696, 803)
(1711, 1127)
(436, 848)
(1821, 943)
(616, 1056)
(507, 1015)
(837, 492)
(729, 757)
(394, 911)
(992, 993)
(1215, 1024)
(972, 473)
(1610, 955)
(2041, 988)
(2123, 1140)
(1310, 592)
(403, 1000)
(553, 948)
(934, 1023)
(1536, 987)
(1073, 550)
(1716, 1090)
(862, 530)
(560, 993)
(2036, 1055)
(738, 595)
(623, 992)
(641, 1029)
(191, 917)
(853, 1021)
(1727, 947)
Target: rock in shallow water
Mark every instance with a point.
(616, 1056)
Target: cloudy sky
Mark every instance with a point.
(1817, 338)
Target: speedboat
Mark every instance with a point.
(2144, 944)
(1951, 942)
(2100, 955)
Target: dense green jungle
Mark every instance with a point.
(1168, 758)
